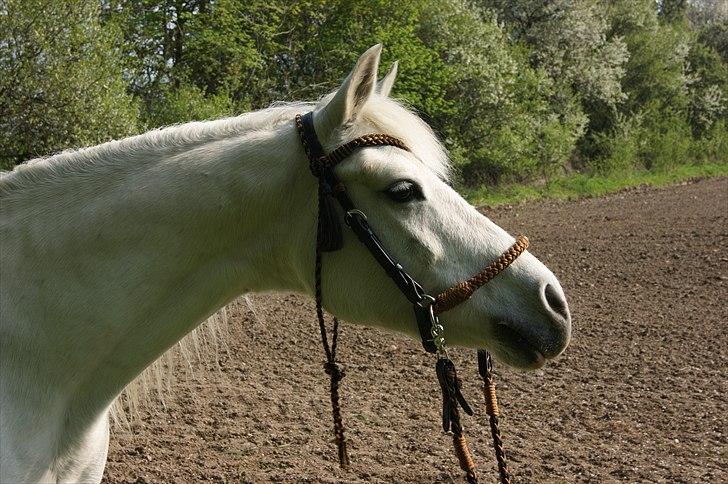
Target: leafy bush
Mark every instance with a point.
(61, 82)
(712, 146)
(187, 103)
(707, 89)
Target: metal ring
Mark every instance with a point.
(351, 213)
(426, 301)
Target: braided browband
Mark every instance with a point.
(319, 159)
(375, 139)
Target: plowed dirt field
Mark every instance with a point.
(640, 395)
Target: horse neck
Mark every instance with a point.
(131, 265)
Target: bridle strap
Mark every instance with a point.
(330, 238)
(322, 167)
(411, 289)
(462, 291)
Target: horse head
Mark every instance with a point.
(521, 316)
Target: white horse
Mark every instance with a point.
(111, 254)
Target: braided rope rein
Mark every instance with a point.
(331, 366)
(485, 368)
(445, 301)
(448, 299)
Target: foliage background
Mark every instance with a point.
(519, 90)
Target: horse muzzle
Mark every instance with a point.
(529, 343)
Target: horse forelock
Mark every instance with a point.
(392, 117)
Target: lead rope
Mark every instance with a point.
(332, 368)
(485, 368)
(446, 373)
(452, 396)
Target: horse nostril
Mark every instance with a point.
(556, 301)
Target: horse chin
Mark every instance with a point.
(514, 349)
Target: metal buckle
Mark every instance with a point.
(427, 301)
(427, 305)
(437, 329)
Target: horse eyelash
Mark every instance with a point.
(416, 189)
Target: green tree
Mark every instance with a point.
(707, 89)
(503, 125)
(710, 18)
(569, 40)
(517, 89)
(218, 47)
(61, 83)
(716, 36)
(653, 126)
(706, 12)
(673, 10)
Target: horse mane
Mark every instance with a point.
(393, 117)
(385, 114)
(166, 140)
(202, 344)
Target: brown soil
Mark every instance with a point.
(640, 395)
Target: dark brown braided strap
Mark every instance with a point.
(462, 291)
(319, 160)
(376, 139)
(328, 237)
(485, 368)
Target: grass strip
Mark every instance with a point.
(580, 185)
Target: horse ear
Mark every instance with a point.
(347, 102)
(384, 87)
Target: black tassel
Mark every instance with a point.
(452, 396)
(332, 238)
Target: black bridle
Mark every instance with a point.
(330, 234)
(329, 237)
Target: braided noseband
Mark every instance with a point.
(462, 291)
(426, 308)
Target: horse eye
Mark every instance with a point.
(402, 191)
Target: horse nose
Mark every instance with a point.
(555, 301)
